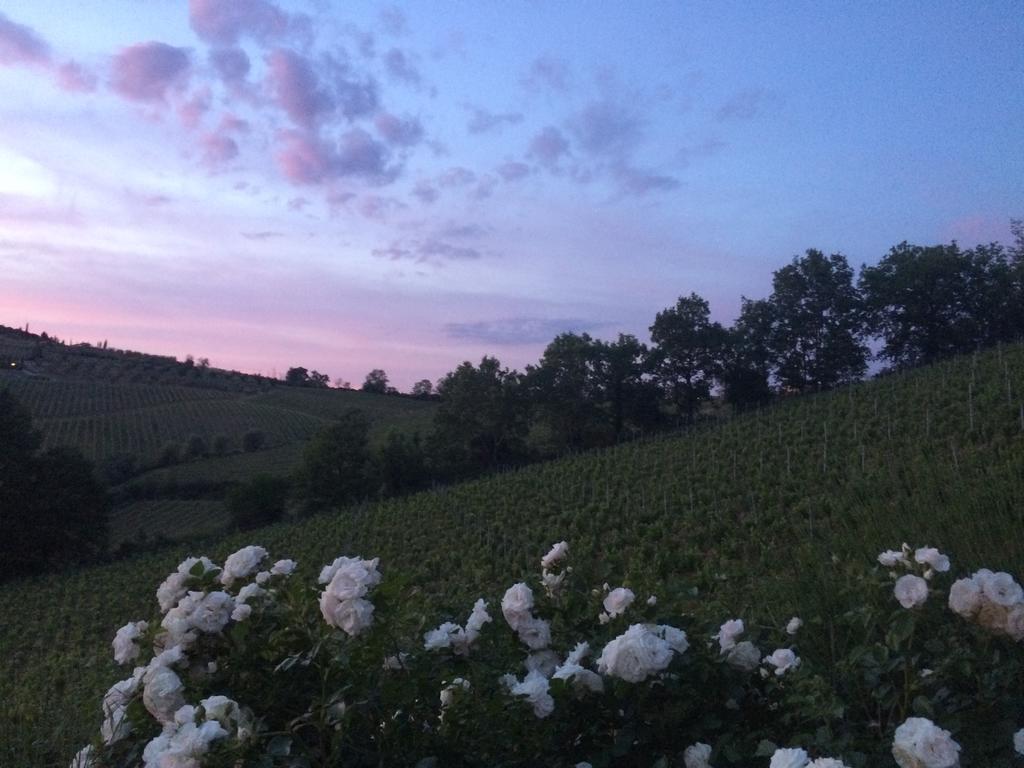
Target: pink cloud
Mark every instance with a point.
(224, 22)
(147, 71)
(21, 45)
(306, 158)
(71, 76)
(398, 131)
(191, 112)
(296, 88)
(232, 64)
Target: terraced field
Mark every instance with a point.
(748, 513)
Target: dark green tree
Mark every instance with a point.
(336, 463)
(400, 465)
(686, 354)
(565, 387)
(819, 323)
(482, 419)
(422, 389)
(297, 376)
(376, 381)
(53, 510)
(747, 356)
(630, 397)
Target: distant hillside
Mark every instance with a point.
(125, 410)
(746, 513)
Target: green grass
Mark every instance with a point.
(739, 510)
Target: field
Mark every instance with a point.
(750, 509)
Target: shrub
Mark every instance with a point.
(245, 671)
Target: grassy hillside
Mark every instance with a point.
(746, 511)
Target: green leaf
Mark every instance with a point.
(766, 748)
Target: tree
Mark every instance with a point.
(685, 357)
(482, 419)
(566, 389)
(747, 356)
(629, 396)
(253, 440)
(819, 323)
(319, 380)
(422, 389)
(400, 464)
(54, 510)
(297, 376)
(376, 381)
(917, 300)
(336, 462)
(261, 501)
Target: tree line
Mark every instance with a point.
(815, 331)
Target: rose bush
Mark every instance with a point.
(255, 665)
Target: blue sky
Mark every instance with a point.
(356, 185)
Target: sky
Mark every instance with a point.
(353, 185)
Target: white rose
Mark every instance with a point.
(535, 633)
(163, 694)
(186, 565)
(634, 655)
(675, 638)
(1015, 622)
(448, 692)
(364, 571)
(893, 557)
(350, 616)
(1002, 590)
(477, 618)
(171, 590)
(826, 762)
(124, 645)
(728, 633)
(919, 743)
(576, 654)
(534, 688)
(582, 679)
(552, 581)
(744, 656)
(517, 605)
(1018, 741)
(442, 637)
(783, 659)
(618, 600)
(115, 705)
(788, 758)
(965, 597)
(283, 568)
(213, 612)
(697, 756)
(794, 626)
(242, 612)
(932, 558)
(911, 591)
(557, 553)
(242, 564)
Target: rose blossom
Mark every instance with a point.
(920, 743)
(697, 756)
(965, 597)
(783, 659)
(743, 656)
(618, 600)
(242, 564)
(534, 688)
(728, 633)
(634, 655)
(1018, 741)
(125, 648)
(1002, 589)
(794, 626)
(557, 553)
(788, 758)
(911, 591)
(932, 558)
(517, 605)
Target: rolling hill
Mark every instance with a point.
(750, 512)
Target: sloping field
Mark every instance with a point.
(749, 513)
(105, 420)
(166, 518)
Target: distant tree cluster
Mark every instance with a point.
(300, 377)
(53, 511)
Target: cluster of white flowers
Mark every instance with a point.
(552, 581)
(242, 564)
(993, 600)
(740, 654)
(920, 743)
(348, 579)
(571, 670)
(798, 758)
(188, 736)
(615, 603)
(641, 651)
(175, 586)
(911, 590)
(451, 635)
(697, 756)
(125, 647)
(517, 608)
(783, 659)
